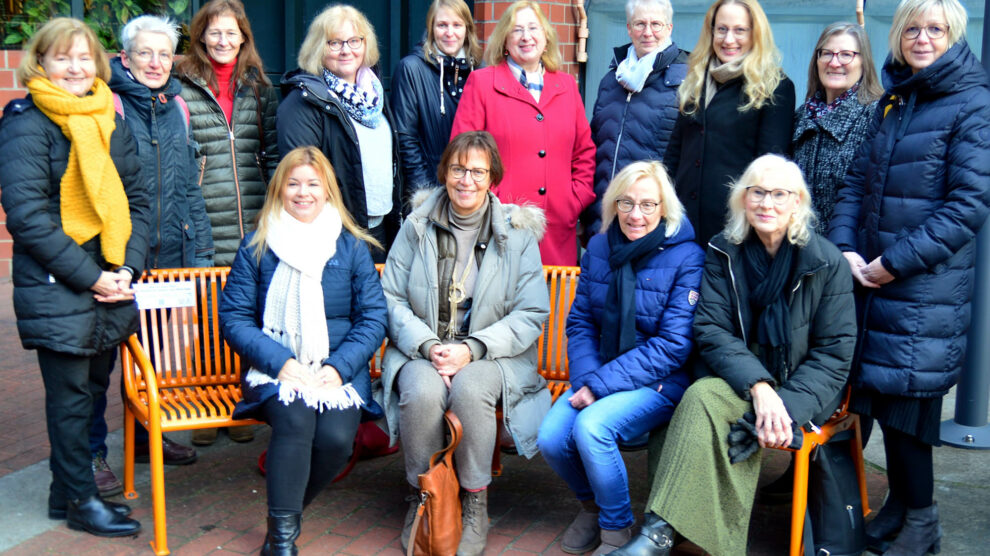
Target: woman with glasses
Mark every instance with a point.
(428, 85)
(232, 118)
(336, 102)
(534, 111)
(466, 304)
(776, 331)
(843, 89)
(906, 219)
(628, 335)
(735, 105)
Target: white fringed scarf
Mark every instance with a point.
(294, 315)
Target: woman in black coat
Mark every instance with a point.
(79, 215)
(735, 105)
(427, 87)
(906, 220)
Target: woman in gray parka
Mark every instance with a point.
(466, 302)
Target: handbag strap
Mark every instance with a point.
(411, 547)
(456, 432)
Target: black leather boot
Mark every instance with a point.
(283, 530)
(97, 517)
(883, 528)
(920, 535)
(656, 538)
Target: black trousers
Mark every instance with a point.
(306, 451)
(72, 382)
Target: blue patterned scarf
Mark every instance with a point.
(363, 101)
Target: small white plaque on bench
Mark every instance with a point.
(161, 295)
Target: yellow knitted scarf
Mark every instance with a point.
(92, 196)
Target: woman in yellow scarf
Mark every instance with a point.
(69, 183)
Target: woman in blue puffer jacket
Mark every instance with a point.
(628, 336)
(906, 220)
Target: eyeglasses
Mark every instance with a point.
(655, 26)
(646, 207)
(758, 194)
(845, 57)
(738, 32)
(933, 31)
(354, 43)
(520, 32)
(215, 36)
(458, 172)
(145, 56)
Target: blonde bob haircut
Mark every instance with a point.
(304, 156)
(761, 66)
(57, 36)
(907, 10)
(472, 48)
(495, 52)
(770, 171)
(673, 210)
(314, 47)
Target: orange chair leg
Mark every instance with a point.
(857, 457)
(799, 501)
(129, 491)
(160, 542)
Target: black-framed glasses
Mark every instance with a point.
(778, 196)
(354, 43)
(933, 31)
(458, 172)
(646, 207)
(845, 57)
(655, 26)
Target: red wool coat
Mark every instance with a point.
(546, 149)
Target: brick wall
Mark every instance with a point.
(9, 60)
(560, 13)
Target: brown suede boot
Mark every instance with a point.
(583, 534)
(613, 539)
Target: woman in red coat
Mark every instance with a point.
(538, 120)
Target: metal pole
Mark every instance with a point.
(969, 429)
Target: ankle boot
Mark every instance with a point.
(96, 517)
(283, 530)
(474, 516)
(612, 539)
(920, 535)
(583, 533)
(656, 538)
(882, 529)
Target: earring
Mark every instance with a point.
(505, 53)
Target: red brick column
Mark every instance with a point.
(560, 13)
(9, 90)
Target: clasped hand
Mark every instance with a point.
(872, 275)
(112, 287)
(297, 376)
(448, 359)
(773, 423)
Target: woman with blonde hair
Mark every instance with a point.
(334, 101)
(303, 307)
(776, 331)
(534, 111)
(735, 105)
(427, 87)
(79, 214)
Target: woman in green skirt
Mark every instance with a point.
(776, 330)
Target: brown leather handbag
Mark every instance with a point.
(437, 527)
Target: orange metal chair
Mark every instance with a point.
(180, 375)
(840, 421)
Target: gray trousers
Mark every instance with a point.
(472, 396)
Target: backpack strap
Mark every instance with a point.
(118, 105)
(185, 109)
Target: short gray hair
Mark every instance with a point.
(664, 5)
(149, 24)
(907, 10)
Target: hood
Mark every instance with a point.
(299, 79)
(520, 217)
(956, 70)
(122, 84)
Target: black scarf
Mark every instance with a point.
(626, 258)
(768, 296)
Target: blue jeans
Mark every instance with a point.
(582, 446)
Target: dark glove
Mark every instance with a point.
(744, 440)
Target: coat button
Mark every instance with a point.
(539, 117)
(697, 163)
(542, 154)
(694, 196)
(542, 191)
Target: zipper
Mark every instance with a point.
(735, 291)
(233, 153)
(618, 140)
(202, 170)
(158, 162)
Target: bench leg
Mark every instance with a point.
(799, 501)
(858, 461)
(129, 492)
(160, 542)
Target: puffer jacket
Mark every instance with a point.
(425, 95)
(916, 196)
(311, 115)
(507, 314)
(180, 230)
(823, 328)
(354, 307)
(667, 288)
(825, 147)
(52, 274)
(627, 127)
(232, 170)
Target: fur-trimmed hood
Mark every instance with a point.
(520, 217)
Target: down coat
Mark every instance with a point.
(916, 196)
(510, 305)
(180, 228)
(354, 307)
(627, 127)
(52, 274)
(233, 170)
(823, 328)
(666, 297)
